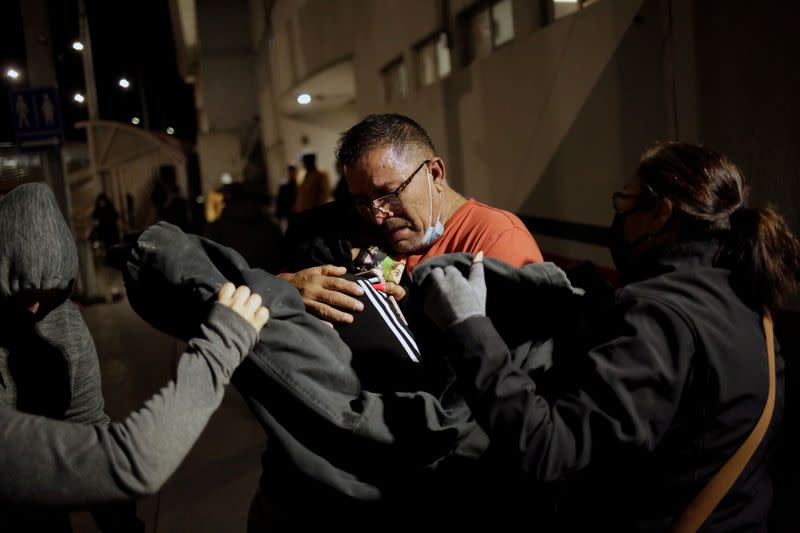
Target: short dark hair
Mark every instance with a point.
(377, 131)
(309, 160)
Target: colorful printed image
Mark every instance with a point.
(392, 270)
(373, 259)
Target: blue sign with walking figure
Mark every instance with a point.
(37, 118)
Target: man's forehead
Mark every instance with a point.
(382, 167)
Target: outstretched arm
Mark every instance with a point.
(623, 395)
(59, 463)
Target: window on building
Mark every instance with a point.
(395, 81)
(489, 25)
(562, 8)
(502, 23)
(433, 60)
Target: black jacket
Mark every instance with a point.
(398, 450)
(640, 410)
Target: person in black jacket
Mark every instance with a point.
(639, 413)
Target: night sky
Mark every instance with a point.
(131, 39)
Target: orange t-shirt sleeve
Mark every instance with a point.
(516, 247)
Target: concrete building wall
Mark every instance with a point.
(219, 154)
(549, 124)
(322, 130)
(225, 85)
(626, 110)
(500, 120)
(228, 91)
(747, 86)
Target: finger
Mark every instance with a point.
(332, 270)
(240, 297)
(252, 304)
(476, 274)
(327, 313)
(395, 290)
(451, 271)
(226, 293)
(342, 285)
(478, 257)
(261, 317)
(338, 299)
(438, 276)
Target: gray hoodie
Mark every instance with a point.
(53, 462)
(48, 363)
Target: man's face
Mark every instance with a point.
(380, 172)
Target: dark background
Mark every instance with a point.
(129, 39)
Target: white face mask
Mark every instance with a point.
(434, 230)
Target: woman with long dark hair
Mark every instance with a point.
(661, 418)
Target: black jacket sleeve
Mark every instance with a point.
(622, 396)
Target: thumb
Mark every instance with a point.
(437, 275)
(476, 278)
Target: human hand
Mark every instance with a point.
(324, 291)
(396, 290)
(452, 298)
(245, 304)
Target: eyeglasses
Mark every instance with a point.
(645, 200)
(388, 203)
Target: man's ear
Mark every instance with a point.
(438, 173)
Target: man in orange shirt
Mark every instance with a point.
(401, 195)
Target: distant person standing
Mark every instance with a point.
(341, 193)
(244, 226)
(287, 197)
(170, 205)
(315, 189)
(106, 217)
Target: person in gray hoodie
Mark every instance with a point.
(56, 444)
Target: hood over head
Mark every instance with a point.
(37, 250)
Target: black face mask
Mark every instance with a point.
(18, 319)
(622, 250)
(15, 311)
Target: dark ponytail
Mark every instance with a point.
(763, 255)
(708, 193)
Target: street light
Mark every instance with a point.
(13, 74)
(79, 98)
(124, 83)
(170, 131)
(77, 46)
(135, 121)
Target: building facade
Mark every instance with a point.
(541, 107)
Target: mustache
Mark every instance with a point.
(394, 224)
